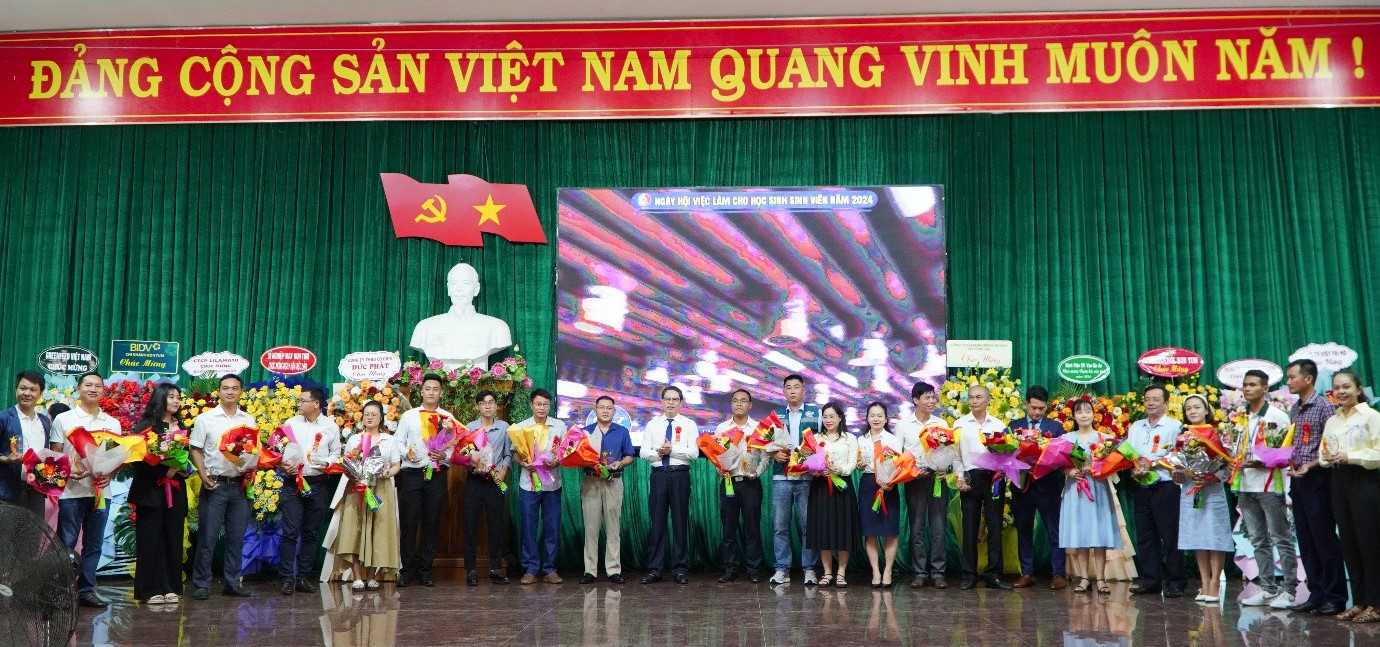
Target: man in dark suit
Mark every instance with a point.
(1043, 495)
(792, 491)
(22, 428)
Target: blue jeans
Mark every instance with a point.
(544, 508)
(785, 494)
(81, 515)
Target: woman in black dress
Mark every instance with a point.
(159, 496)
(832, 523)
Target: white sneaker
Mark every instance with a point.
(1282, 601)
(1260, 599)
(810, 578)
(157, 599)
(781, 577)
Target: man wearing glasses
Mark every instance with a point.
(670, 485)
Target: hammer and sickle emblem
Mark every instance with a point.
(437, 206)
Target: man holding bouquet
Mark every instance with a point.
(926, 509)
(78, 509)
(1158, 556)
(421, 500)
(790, 495)
(601, 492)
(975, 492)
(539, 498)
(1260, 496)
(670, 485)
(23, 428)
(306, 493)
(485, 488)
(746, 499)
(223, 504)
(1043, 495)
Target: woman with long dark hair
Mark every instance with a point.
(1204, 516)
(159, 496)
(1351, 447)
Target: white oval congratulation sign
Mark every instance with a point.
(222, 363)
(373, 365)
(1233, 373)
(1331, 357)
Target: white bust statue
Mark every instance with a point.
(461, 336)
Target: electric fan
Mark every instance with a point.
(38, 575)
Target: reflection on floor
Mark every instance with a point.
(702, 613)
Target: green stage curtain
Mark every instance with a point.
(1237, 233)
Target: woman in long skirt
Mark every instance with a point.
(1204, 517)
(1087, 519)
(832, 522)
(365, 537)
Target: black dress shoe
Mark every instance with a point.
(1173, 593)
(996, 583)
(235, 591)
(1328, 609)
(289, 587)
(754, 577)
(727, 577)
(1145, 590)
(90, 601)
(427, 581)
(918, 582)
(651, 578)
(682, 578)
(201, 594)
(472, 578)
(498, 577)
(968, 583)
(404, 580)
(616, 578)
(306, 586)
(588, 578)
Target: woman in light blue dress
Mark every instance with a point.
(1204, 517)
(1087, 528)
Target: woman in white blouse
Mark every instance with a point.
(362, 538)
(832, 522)
(1351, 447)
(884, 522)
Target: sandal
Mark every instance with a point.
(372, 585)
(1351, 613)
(840, 583)
(827, 580)
(1371, 614)
(1082, 586)
(358, 585)
(171, 598)
(157, 599)
(1102, 588)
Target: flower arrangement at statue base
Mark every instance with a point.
(1005, 393)
(347, 405)
(507, 379)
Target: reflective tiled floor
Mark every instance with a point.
(701, 613)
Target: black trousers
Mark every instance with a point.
(746, 503)
(1158, 557)
(1356, 502)
(302, 516)
(976, 501)
(1046, 497)
(482, 495)
(420, 503)
(1316, 527)
(158, 547)
(670, 494)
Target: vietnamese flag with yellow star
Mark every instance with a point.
(459, 212)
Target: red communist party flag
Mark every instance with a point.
(459, 212)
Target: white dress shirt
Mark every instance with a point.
(555, 430)
(909, 429)
(414, 452)
(206, 435)
(1253, 478)
(31, 432)
(326, 451)
(970, 435)
(67, 421)
(684, 446)
(867, 447)
(1153, 442)
(754, 463)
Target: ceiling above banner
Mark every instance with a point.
(740, 68)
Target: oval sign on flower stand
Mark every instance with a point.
(288, 360)
(68, 360)
(222, 363)
(1084, 369)
(1331, 357)
(373, 365)
(1233, 373)
(1170, 362)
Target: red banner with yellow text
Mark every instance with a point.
(817, 66)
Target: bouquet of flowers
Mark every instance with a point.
(1274, 448)
(46, 471)
(1001, 457)
(274, 445)
(891, 469)
(941, 450)
(1005, 403)
(170, 449)
(534, 445)
(1057, 454)
(818, 465)
(575, 451)
(364, 465)
(809, 446)
(763, 438)
(468, 447)
(486, 458)
(439, 434)
(1198, 454)
(1109, 456)
(103, 456)
(722, 450)
(240, 446)
(264, 492)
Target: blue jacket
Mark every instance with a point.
(11, 476)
